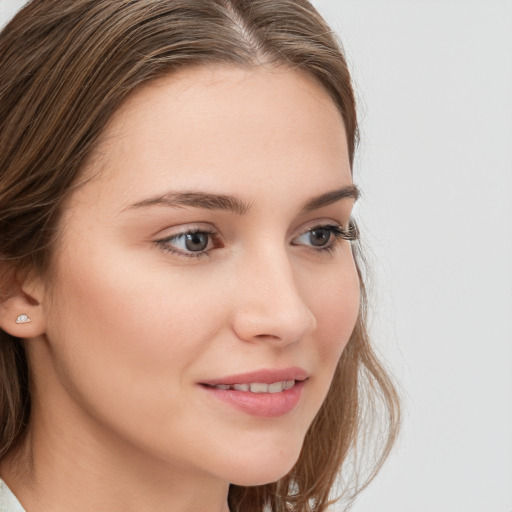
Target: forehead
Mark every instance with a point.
(205, 127)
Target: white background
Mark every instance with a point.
(434, 80)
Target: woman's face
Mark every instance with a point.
(208, 250)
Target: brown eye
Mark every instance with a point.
(319, 237)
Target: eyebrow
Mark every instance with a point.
(233, 204)
(197, 200)
(350, 192)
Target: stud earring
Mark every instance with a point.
(23, 319)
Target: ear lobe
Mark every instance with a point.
(21, 313)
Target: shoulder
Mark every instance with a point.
(8, 502)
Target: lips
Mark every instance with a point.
(264, 393)
(259, 387)
(265, 376)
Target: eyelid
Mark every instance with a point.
(183, 229)
(351, 233)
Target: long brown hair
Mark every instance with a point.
(65, 67)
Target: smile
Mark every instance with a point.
(258, 387)
(269, 399)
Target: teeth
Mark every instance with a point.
(276, 387)
(289, 384)
(259, 387)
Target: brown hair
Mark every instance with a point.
(65, 68)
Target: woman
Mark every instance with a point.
(182, 312)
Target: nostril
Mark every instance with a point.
(267, 336)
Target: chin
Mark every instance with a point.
(256, 478)
(264, 470)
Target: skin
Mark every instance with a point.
(126, 330)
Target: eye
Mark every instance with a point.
(318, 237)
(192, 243)
(325, 237)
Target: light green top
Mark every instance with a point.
(8, 502)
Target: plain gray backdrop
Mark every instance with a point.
(434, 82)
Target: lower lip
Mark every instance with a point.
(264, 405)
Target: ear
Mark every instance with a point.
(22, 311)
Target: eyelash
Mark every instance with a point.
(339, 233)
(351, 234)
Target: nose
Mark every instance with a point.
(269, 304)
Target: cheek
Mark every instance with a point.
(336, 307)
(126, 343)
(126, 299)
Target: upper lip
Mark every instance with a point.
(264, 376)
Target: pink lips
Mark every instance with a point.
(266, 376)
(265, 405)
